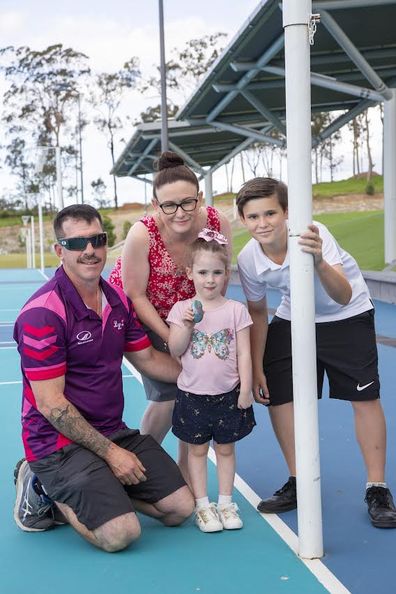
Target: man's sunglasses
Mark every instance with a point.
(78, 244)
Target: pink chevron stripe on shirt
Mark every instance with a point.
(39, 332)
(42, 355)
(39, 344)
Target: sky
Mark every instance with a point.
(110, 33)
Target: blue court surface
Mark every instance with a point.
(260, 558)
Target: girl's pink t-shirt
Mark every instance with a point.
(209, 364)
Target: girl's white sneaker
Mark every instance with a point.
(229, 516)
(207, 519)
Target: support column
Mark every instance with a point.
(296, 18)
(41, 233)
(208, 188)
(59, 177)
(389, 172)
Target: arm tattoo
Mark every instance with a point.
(72, 424)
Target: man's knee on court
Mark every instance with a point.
(179, 507)
(119, 533)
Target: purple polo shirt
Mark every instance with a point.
(58, 335)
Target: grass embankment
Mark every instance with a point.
(343, 187)
(359, 233)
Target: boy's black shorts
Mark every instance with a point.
(79, 478)
(346, 351)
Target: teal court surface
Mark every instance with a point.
(259, 559)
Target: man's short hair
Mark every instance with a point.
(261, 187)
(77, 212)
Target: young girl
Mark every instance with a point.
(211, 336)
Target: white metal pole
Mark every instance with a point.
(208, 188)
(59, 177)
(164, 104)
(33, 243)
(390, 177)
(25, 230)
(28, 248)
(41, 235)
(296, 19)
(80, 149)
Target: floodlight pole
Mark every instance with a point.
(164, 108)
(41, 233)
(296, 22)
(25, 221)
(33, 247)
(59, 177)
(80, 148)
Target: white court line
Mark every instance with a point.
(320, 571)
(43, 274)
(8, 348)
(315, 566)
(9, 383)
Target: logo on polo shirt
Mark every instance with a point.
(84, 336)
(118, 325)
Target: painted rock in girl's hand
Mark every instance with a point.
(197, 310)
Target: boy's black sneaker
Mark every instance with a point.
(282, 500)
(381, 508)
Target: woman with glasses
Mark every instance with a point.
(152, 271)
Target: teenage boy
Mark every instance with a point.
(345, 336)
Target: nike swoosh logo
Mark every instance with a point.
(359, 388)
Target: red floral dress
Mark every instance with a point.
(166, 284)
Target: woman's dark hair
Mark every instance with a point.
(170, 169)
(79, 212)
(261, 187)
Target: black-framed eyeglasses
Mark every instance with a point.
(187, 205)
(78, 244)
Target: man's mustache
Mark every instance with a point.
(89, 260)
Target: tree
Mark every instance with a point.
(184, 70)
(153, 114)
(355, 126)
(108, 226)
(16, 161)
(319, 122)
(253, 157)
(99, 192)
(188, 65)
(106, 99)
(38, 101)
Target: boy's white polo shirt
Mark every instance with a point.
(259, 273)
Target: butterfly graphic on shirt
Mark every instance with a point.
(219, 341)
